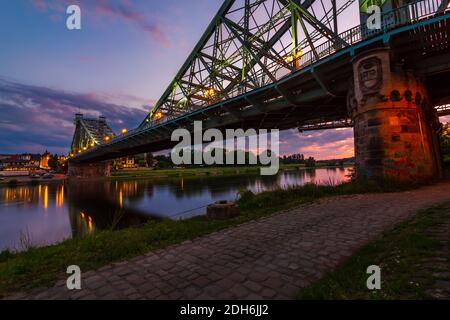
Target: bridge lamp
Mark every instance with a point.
(84, 148)
(92, 144)
(158, 115)
(124, 131)
(289, 58)
(107, 138)
(209, 93)
(294, 56)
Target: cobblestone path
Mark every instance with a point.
(271, 258)
(436, 268)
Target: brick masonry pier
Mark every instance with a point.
(395, 126)
(89, 171)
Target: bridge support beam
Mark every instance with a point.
(89, 170)
(395, 127)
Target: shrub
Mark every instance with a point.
(12, 183)
(5, 255)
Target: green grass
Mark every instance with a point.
(397, 252)
(447, 160)
(43, 266)
(198, 171)
(202, 171)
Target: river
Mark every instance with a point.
(49, 213)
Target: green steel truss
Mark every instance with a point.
(89, 133)
(243, 64)
(249, 44)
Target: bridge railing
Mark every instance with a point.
(405, 15)
(443, 110)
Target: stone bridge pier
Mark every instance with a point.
(89, 170)
(395, 127)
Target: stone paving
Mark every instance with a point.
(271, 258)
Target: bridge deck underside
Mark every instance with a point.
(313, 95)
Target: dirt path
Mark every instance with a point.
(271, 258)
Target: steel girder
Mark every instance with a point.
(139, 140)
(443, 110)
(248, 44)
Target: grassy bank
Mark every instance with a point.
(43, 266)
(400, 253)
(184, 172)
(16, 182)
(199, 171)
(447, 161)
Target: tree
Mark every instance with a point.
(445, 143)
(293, 159)
(163, 162)
(53, 162)
(445, 139)
(310, 162)
(149, 159)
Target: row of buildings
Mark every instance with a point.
(36, 162)
(26, 162)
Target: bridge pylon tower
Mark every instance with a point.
(395, 126)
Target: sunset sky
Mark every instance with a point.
(118, 65)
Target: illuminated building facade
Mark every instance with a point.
(23, 162)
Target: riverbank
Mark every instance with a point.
(145, 173)
(267, 258)
(205, 171)
(27, 181)
(42, 266)
(414, 259)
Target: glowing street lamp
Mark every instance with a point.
(107, 138)
(124, 131)
(158, 115)
(294, 56)
(209, 93)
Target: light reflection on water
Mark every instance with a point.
(50, 213)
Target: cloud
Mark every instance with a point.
(38, 118)
(119, 10)
(325, 144)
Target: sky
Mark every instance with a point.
(117, 65)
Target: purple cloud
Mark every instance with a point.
(325, 144)
(123, 10)
(37, 118)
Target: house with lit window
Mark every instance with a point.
(125, 163)
(45, 158)
(22, 162)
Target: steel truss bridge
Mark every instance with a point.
(281, 64)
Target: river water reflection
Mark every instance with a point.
(47, 214)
